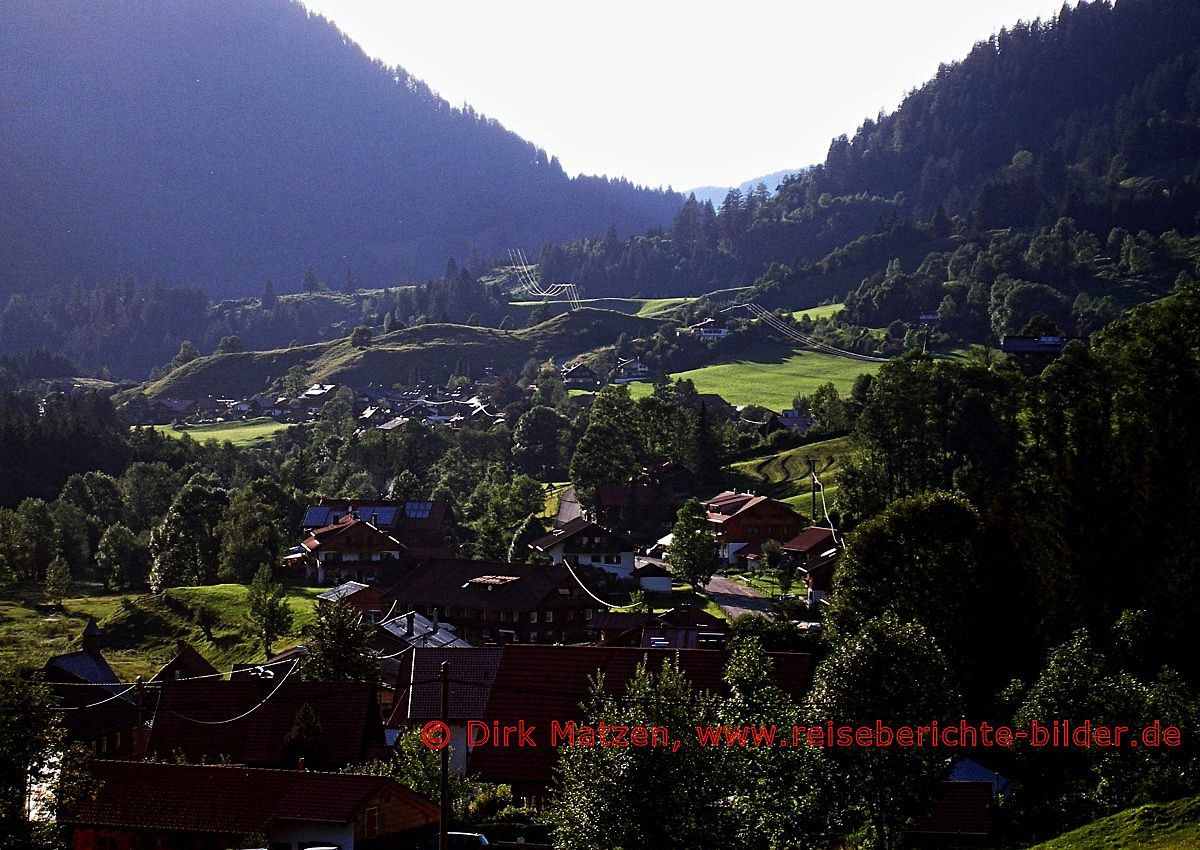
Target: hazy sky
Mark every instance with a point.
(676, 93)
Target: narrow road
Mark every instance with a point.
(735, 598)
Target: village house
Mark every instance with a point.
(579, 377)
(498, 602)
(1034, 353)
(744, 521)
(363, 598)
(652, 578)
(423, 526)
(104, 715)
(707, 330)
(187, 663)
(164, 806)
(349, 548)
(683, 627)
(629, 370)
(584, 543)
(815, 551)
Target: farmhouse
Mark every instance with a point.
(684, 627)
(349, 548)
(363, 598)
(104, 715)
(497, 602)
(579, 377)
(423, 526)
(815, 551)
(582, 542)
(743, 522)
(629, 370)
(707, 329)
(191, 806)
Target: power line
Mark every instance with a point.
(594, 596)
(244, 714)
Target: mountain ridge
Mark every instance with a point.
(222, 146)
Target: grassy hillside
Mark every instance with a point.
(141, 631)
(643, 307)
(814, 313)
(431, 351)
(773, 381)
(785, 475)
(1160, 826)
(247, 433)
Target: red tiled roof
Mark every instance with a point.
(813, 537)
(538, 684)
(472, 672)
(228, 800)
(347, 711)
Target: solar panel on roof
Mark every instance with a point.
(417, 510)
(315, 516)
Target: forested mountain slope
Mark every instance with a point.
(1094, 115)
(222, 144)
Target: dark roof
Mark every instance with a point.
(677, 618)
(86, 667)
(472, 672)
(186, 663)
(229, 800)
(347, 711)
(321, 536)
(812, 539)
(1035, 344)
(578, 527)
(424, 632)
(479, 585)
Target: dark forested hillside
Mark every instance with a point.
(1092, 116)
(222, 144)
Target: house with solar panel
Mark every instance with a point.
(348, 548)
(424, 527)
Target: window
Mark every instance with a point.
(533, 616)
(549, 616)
(587, 614)
(533, 636)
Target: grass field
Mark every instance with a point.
(773, 384)
(784, 475)
(1160, 826)
(239, 433)
(141, 631)
(821, 312)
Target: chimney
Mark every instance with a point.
(434, 618)
(93, 638)
(409, 622)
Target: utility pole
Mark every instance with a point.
(444, 816)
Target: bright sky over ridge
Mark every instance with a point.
(676, 93)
